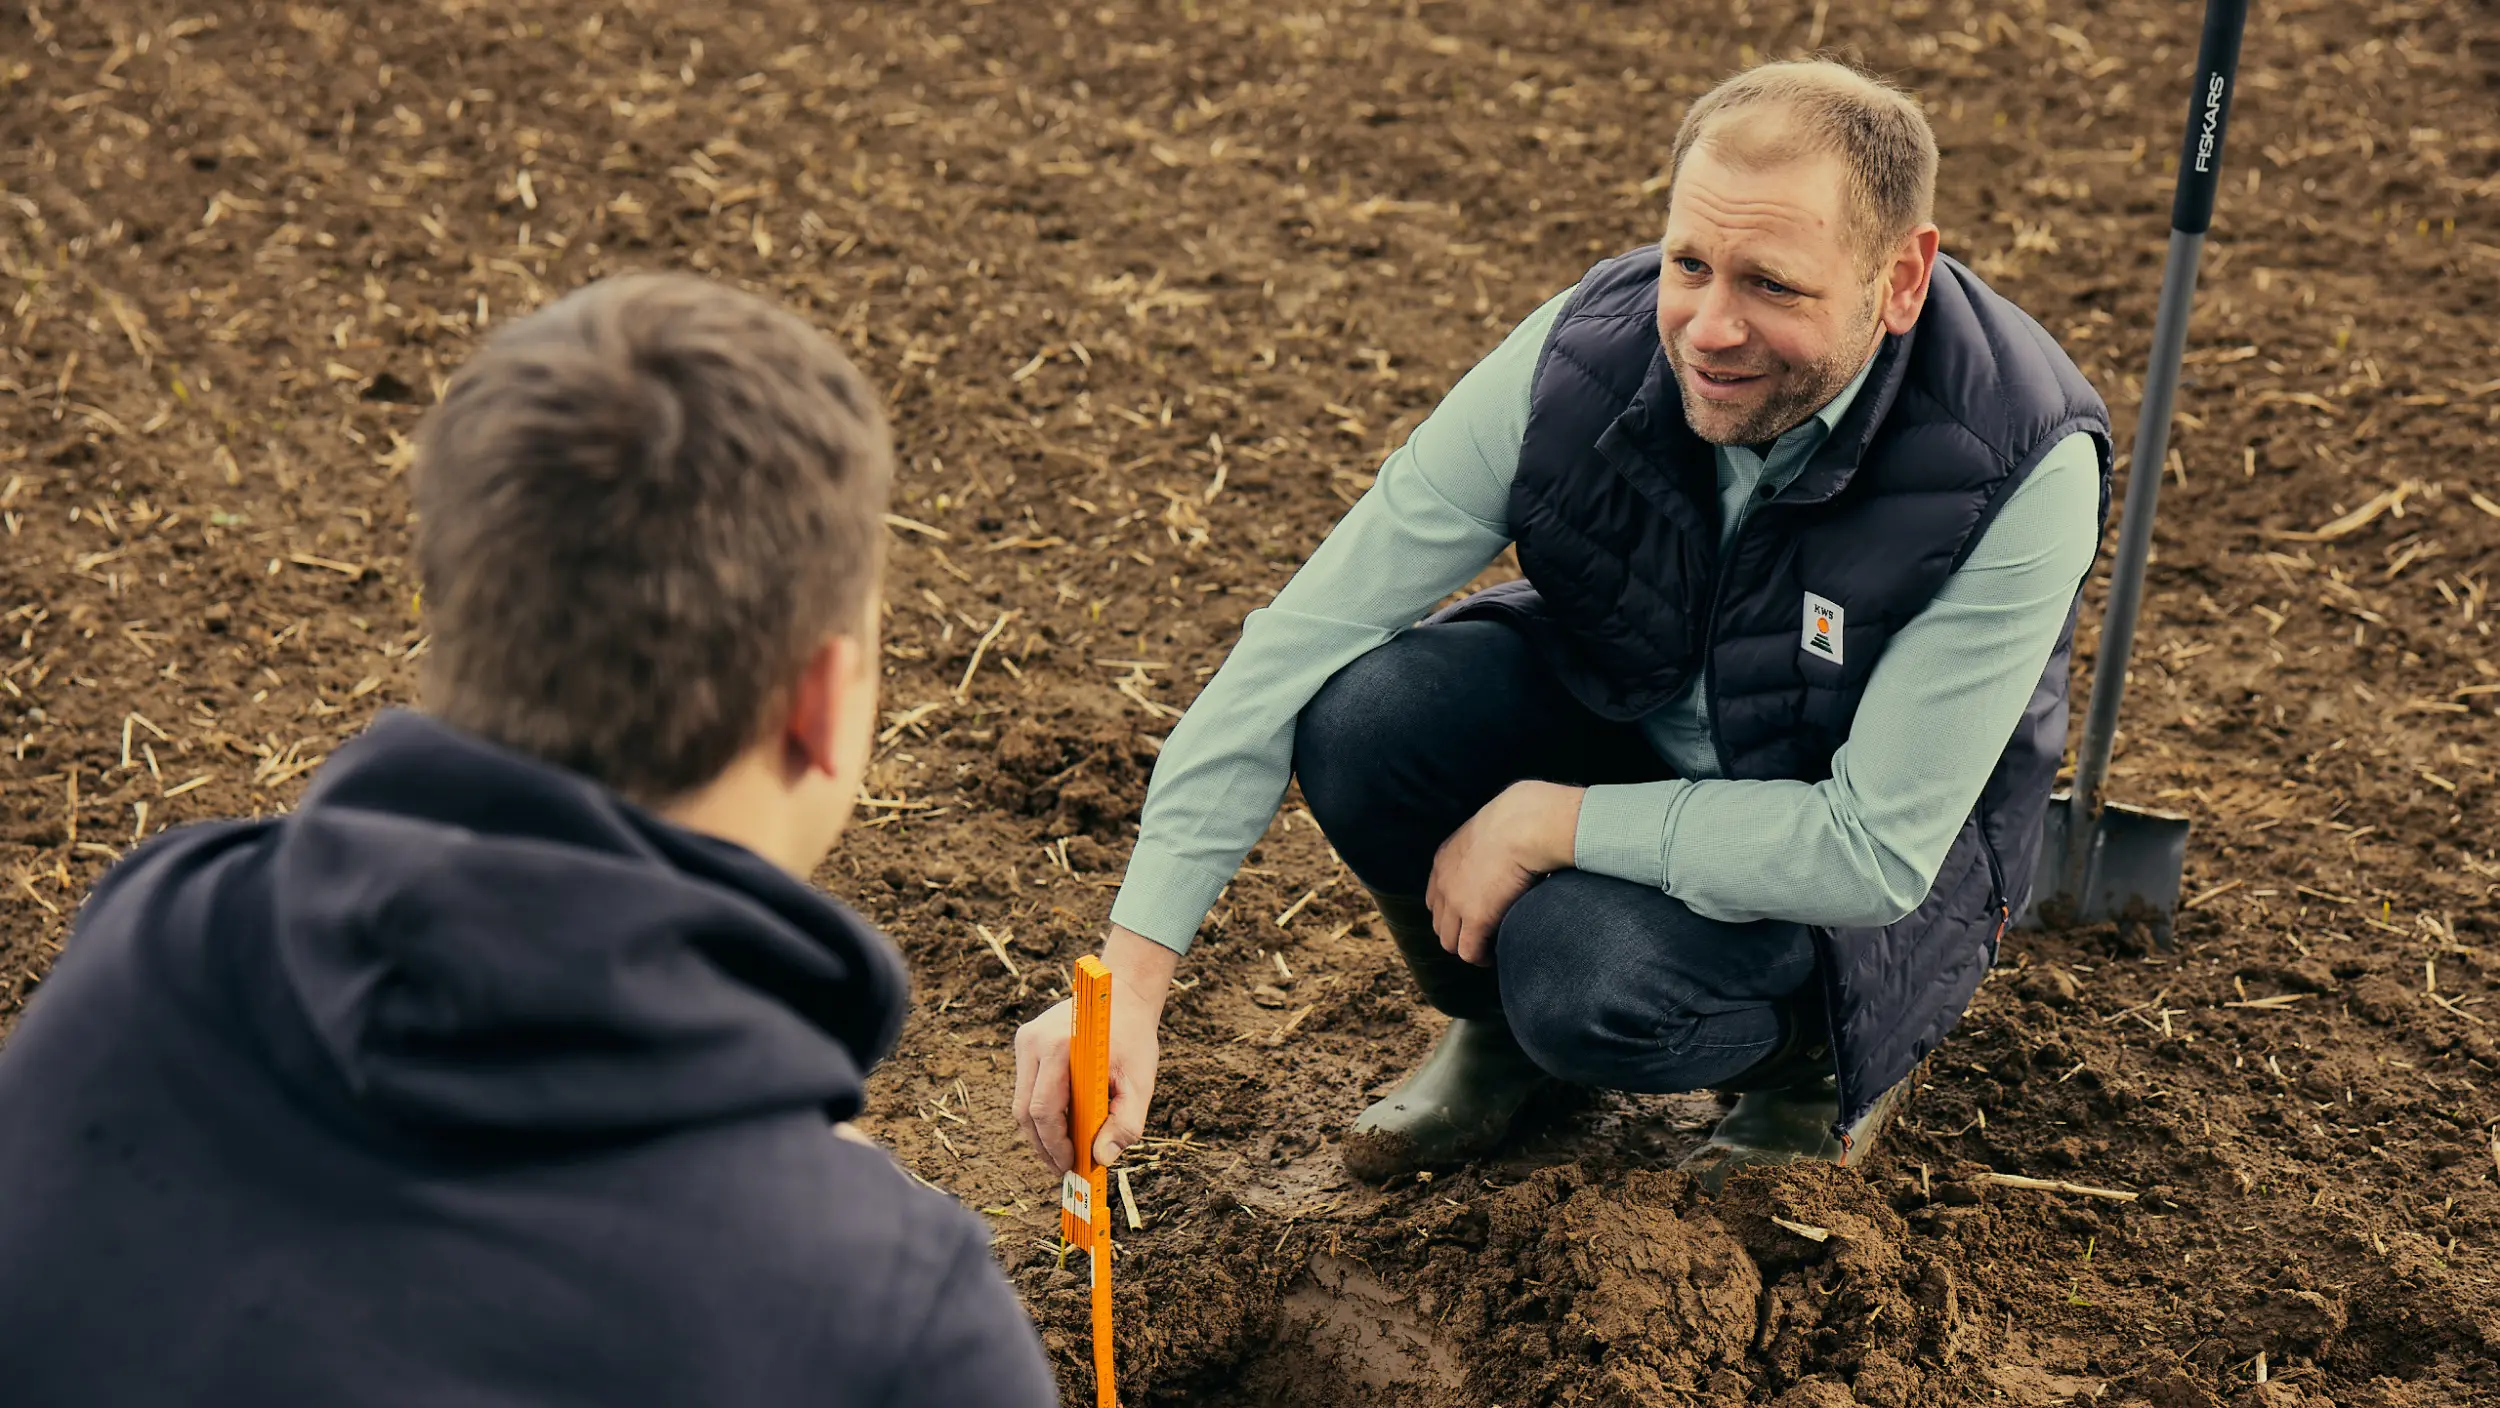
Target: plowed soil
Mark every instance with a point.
(1153, 286)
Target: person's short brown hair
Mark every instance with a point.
(1778, 112)
(640, 510)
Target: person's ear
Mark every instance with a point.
(814, 727)
(1906, 277)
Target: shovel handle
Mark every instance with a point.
(2209, 112)
(2191, 214)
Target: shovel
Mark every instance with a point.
(2102, 860)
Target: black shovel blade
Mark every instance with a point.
(2137, 866)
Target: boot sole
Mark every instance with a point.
(1376, 1155)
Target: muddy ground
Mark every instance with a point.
(1153, 287)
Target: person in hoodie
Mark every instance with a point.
(507, 1068)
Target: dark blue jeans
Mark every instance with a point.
(1605, 982)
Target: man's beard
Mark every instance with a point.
(1799, 391)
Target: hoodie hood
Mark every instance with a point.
(483, 943)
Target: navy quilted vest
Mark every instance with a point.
(1615, 509)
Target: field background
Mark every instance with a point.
(1153, 287)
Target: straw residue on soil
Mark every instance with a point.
(1153, 286)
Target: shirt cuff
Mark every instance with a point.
(1165, 896)
(1623, 830)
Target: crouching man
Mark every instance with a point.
(506, 1068)
(1739, 788)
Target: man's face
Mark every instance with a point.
(1765, 306)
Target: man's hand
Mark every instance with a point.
(1486, 865)
(1141, 975)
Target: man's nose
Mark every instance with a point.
(1715, 326)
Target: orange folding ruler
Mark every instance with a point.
(1084, 1202)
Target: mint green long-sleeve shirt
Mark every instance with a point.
(1860, 848)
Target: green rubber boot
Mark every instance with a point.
(1788, 1125)
(1456, 1106)
(1459, 1103)
(1786, 1105)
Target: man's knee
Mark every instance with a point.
(1337, 738)
(1381, 707)
(1607, 984)
(1582, 1035)
(1563, 956)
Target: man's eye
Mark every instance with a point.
(1690, 265)
(1776, 289)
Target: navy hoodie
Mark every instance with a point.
(470, 1083)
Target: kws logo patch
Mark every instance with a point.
(1824, 619)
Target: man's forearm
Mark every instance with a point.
(1437, 514)
(1757, 850)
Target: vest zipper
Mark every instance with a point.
(1718, 746)
(1999, 900)
(1710, 629)
(1996, 870)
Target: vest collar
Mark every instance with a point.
(1651, 435)
(1780, 462)
(1836, 462)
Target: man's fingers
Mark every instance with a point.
(1434, 905)
(1115, 1138)
(1126, 1120)
(1027, 1061)
(1046, 1112)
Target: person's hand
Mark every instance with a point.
(1486, 865)
(1141, 975)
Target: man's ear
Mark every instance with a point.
(1906, 276)
(816, 700)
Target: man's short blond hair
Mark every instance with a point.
(641, 509)
(1805, 107)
